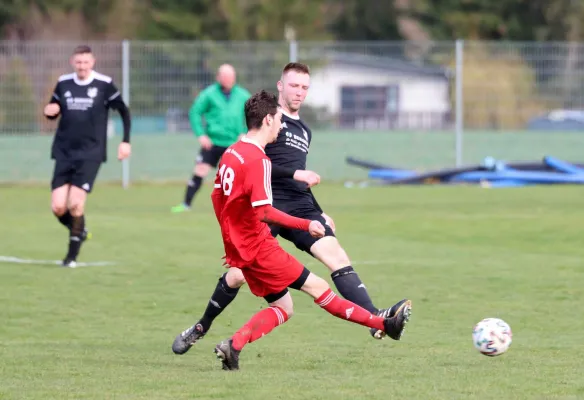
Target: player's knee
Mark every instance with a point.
(288, 309)
(76, 207)
(315, 286)
(333, 257)
(234, 278)
(59, 209)
(339, 260)
(202, 169)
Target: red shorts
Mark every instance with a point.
(272, 271)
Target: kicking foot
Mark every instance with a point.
(228, 355)
(386, 313)
(187, 338)
(395, 325)
(180, 208)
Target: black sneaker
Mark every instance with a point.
(386, 313)
(394, 326)
(228, 355)
(187, 338)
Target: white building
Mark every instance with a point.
(381, 92)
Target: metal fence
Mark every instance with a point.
(412, 104)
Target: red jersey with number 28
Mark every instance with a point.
(243, 181)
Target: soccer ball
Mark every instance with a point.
(492, 336)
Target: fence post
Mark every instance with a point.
(126, 97)
(459, 101)
(293, 44)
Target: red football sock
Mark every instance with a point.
(345, 309)
(259, 325)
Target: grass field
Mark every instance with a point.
(460, 254)
(170, 157)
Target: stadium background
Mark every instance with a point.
(414, 104)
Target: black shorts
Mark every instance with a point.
(79, 173)
(211, 156)
(301, 239)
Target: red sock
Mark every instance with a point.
(345, 309)
(259, 325)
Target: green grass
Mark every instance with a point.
(461, 254)
(171, 157)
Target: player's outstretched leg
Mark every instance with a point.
(345, 309)
(225, 291)
(329, 251)
(258, 326)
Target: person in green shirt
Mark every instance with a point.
(221, 107)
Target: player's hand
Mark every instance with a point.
(329, 221)
(205, 142)
(124, 151)
(311, 178)
(52, 109)
(316, 229)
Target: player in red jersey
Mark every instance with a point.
(242, 200)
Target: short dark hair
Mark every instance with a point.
(82, 49)
(258, 106)
(296, 66)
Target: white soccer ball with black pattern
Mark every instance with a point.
(492, 336)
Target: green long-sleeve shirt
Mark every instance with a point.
(224, 116)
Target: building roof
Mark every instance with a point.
(387, 64)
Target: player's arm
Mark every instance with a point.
(198, 109)
(329, 221)
(114, 100)
(258, 183)
(311, 178)
(196, 112)
(271, 215)
(53, 108)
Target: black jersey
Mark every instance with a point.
(290, 150)
(82, 130)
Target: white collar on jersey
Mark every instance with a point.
(289, 115)
(250, 141)
(86, 81)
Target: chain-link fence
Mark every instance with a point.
(410, 104)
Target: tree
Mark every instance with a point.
(364, 20)
(19, 112)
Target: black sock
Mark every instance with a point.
(75, 236)
(65, 219)
(222, 296)
(351, 288)
(192, 188)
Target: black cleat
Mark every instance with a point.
(228, 355)
(394, 326)
(187, 338)
(386, 313)
(74, 249)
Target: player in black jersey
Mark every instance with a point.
(83, 100)
(291, 184)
